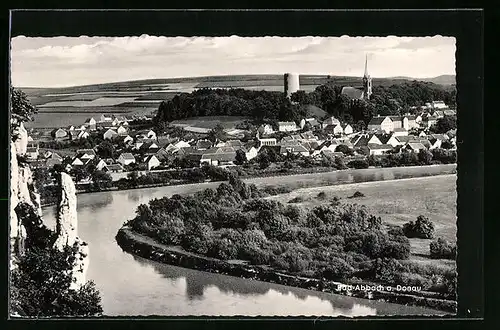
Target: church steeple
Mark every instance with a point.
(367, 82)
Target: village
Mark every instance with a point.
(145, 149)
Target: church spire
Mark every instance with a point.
(366, 66)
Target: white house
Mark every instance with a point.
(379, 149)
(182, 144)
(347, 129)
(267, 142)
(265, 129)
(337, 129)
(439, 105)
(152, 162)
(105, 118)
(126, 158)
(91, 123)
(400, 132)
(287, 126)
(109, 134)
(381, 124)
(83, 135)
(330, 121)
(251, 152)
(121, 130)
(77, 162)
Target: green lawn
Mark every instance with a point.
(397, 202)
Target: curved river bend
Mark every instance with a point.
(131, 285)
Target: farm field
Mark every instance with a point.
(397, 202)
(209, 122)
(99, 102)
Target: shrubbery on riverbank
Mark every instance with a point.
(336, 242)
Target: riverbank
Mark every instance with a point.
(145, 247)
(313, 178)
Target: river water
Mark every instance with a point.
(131, 286)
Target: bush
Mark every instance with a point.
(338, 269)
(396, 231)
(357, 194)
(358, 164)
(321, 195)
(422, 228)
(298, 199)
(442, 249)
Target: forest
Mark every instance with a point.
(266, 105)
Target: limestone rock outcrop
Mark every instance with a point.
(67, 222)
(67, 230)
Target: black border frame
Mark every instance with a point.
(465, 25)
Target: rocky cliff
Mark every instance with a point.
(22, 191)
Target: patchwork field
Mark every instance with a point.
(397, 202)
(143, 96)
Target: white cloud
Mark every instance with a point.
(64, 61)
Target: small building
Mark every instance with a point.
(109, 134)
(182, 144)
(265, 129)
(267, 142)
(32, 153)
(91, 124)
(121, 130)
(400, 122)
(449, 113)
(83, 135)
(151, 162)
(347, 129)
(77, 162)
(381, 124)
(126, 159)
(203, 144)
(330, 121)
(294, 149)
(59, 134)
(378, 149)
(415, 146)
(287, 126)
(105, 119)
(86, 153)
(113, 168)
(400, 132)
(312, 121)
(218, 159)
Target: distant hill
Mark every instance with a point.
(446, 79)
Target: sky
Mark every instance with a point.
(73, 61)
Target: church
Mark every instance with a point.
(362, 93)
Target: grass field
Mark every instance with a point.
(397, 202)
(209, 122)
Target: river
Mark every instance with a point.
(131, 285)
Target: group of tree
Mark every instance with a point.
(265, 105)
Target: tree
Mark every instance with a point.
(22, 109)
(422, 228)
(344, 149)
(79, 173)
(425, 156)
(101, 180)
(441, 248)
(241, 157)
(106, 150)
(447, 145)
(217, 133)
(444, 124)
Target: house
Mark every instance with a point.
(162, 154)
(149, 147)
(152, 162)
(400, 132)
(425, 143)
(115, 122)
(105, 119)
(428, 120)
(352, 93)
(86, 153)
(330, 121)
(91, 124)
(307, 137)
(378, 149)
(32, 153)
(113, 168)
(203, 144)
(83, 135)
(381, 124)
(400, 122)
(438, 105)
(234, 143)
(412, 122)
(182, 144)
(218, 159)
(414, 146)
(312, 121)
(287, 126)
(334, 129)
(436, 140)
(101, 164)
(449, 113)
(150, 135)
(109, 134)
(126, 139)
(59, 134)
(267, 142)
(121, 130)
(126, 159)
(77, 162)
(265, 129)
(347, 129)
(418, 119)
(438, 114)
(294, 149)
(327, 145)
(251, 150)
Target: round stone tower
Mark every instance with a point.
(291, 83)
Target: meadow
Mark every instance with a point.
(397, 202)
(210, 122)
